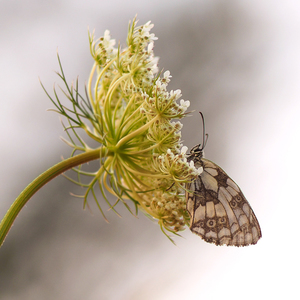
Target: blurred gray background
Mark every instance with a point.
(237, 62)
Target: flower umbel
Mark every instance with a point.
(134, 115)
(130, 114)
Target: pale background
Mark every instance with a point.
(236, 61)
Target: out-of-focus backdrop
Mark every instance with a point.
(236, 61)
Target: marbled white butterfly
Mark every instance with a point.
(219, 211)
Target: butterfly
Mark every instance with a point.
(219, 212)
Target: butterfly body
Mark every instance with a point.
(219, 212)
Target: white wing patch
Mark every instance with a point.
(219, 212)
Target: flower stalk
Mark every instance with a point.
(39, 182)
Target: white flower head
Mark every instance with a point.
(176, 94)
(160, 86)
(108, 43)
(185, 104)
(147, 27)
(167, 77)
(177, 125)
(170, 153)
(184, 150)
(152, 64)
(150, 47)
(199, 170)
(145, 31)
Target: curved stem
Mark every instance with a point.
(140, 130)
(40, 181)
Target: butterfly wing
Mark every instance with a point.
(219, 211)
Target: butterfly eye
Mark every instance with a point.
(195, 149)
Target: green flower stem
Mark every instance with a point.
(131, 135)
(41, 180)
(90, 86)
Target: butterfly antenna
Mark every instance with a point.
(205, 135)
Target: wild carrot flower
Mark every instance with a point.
(130, 113)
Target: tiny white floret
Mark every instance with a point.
(184, 149)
